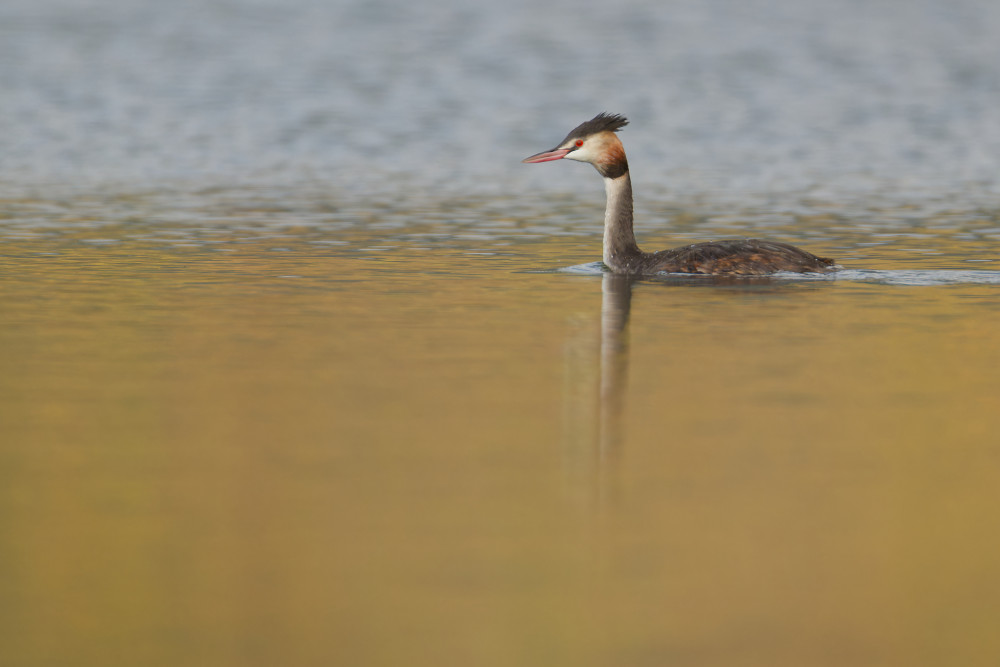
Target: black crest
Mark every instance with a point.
(602, 122)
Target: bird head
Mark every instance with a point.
(594, 142)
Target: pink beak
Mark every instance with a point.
(547, 156)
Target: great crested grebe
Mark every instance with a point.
(596, 142)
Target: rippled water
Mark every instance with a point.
(300, 365)
(370, 96)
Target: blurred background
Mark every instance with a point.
(300, 366)
(367, 96)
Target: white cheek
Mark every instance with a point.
(580, 155)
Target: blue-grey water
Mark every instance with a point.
(373, 96)
(299, 365)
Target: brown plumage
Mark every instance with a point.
(595, 142)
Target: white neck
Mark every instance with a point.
(619, 240)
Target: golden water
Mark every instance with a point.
(241, 445)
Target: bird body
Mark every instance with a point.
(595, 142)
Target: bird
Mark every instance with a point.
(596, 142)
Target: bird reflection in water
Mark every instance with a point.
(595, 392)
(596, 378)
(616, 301)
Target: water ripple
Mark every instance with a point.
(920, 278)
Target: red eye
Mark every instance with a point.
(579, 142)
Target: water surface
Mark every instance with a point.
(284, 433)
(299, 365)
